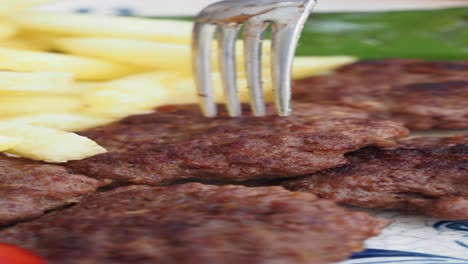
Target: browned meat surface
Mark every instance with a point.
(426, 175)
(28, 188)
(422, 95)
(195, 223)
(178, 143)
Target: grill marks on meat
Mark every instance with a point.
(195, 223)
(427, 175)
(178, 143)
(423, 95)
(28, 188)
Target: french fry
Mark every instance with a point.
(36, 82)
(106, 26)
(126, 96)
(182, 92)
(9, 142)
(155, 76)
(24, 104)
(49, 144)
(71, 122)
(21, 44)
(42, 41)
(158, 55)
(83, 88)
(7, 30)
(8, 7)
(83, 68)
(309, 66)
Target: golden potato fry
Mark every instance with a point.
(49, 144)
(106, 26)
(153, 76)
(20, 44)
(7, 7)
(36, 82)
(37, 40)
(83, 88)
(71, 122)
(179, 87)
(159, 55)
(83, 68)
(9, 142)
(309, 66)
(18, 105)
(126, 96)
(182, 92)
(7, 30)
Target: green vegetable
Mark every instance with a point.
(439, 34)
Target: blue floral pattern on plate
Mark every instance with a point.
(416, 240)
(378, 256)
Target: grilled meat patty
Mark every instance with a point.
(422, 95)
(427, 175)
(29, 188)
(195, 223)
(177, 143)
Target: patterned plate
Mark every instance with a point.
(416, 239)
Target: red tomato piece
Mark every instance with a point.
(14, 255)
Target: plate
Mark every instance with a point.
(416, 239)
(409, 239)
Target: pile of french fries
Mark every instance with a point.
(64, 73)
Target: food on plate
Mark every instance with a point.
(440, 105)
(48, 144)
(7, 30)
(43, 87)
(28, 40)
(72, 122)
(49, 89)
(423, 95)
(195, 223)
(83, 68)
(127, 96)
(304, 67)
(9, 142)
(105, 26)
(36, 82)
(20, 44)
(177, 142)
(426, 175)
(28, 189)
(13, 105)
(16, 255)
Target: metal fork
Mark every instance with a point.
(226, 18)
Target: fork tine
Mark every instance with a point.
(227, 36)
(284, 41)
(203, 35)
(253, 35)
